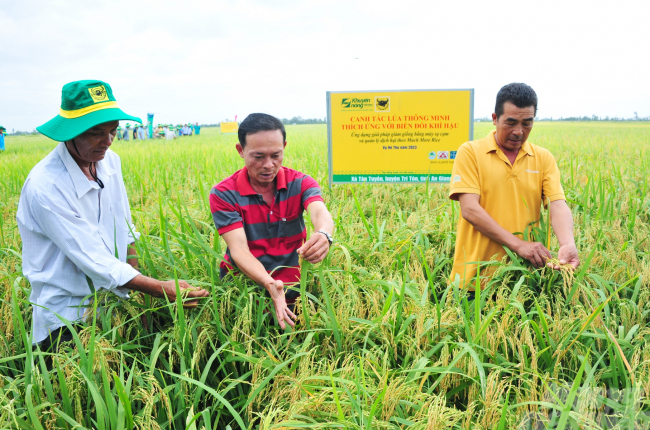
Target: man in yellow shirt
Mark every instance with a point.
(501, 182)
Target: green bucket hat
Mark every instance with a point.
(84, 104)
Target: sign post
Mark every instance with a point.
(397, 136)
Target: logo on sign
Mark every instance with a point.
(354, 103)
(432, 155)
(382, 104)
(443, 155)
(452, 155)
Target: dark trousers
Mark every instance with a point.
(52, 343)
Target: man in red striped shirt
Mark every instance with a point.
(258, 212)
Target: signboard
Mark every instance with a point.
(397, 136)
(229, 127)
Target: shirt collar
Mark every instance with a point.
(81, 184)
(246, 189)
(492, 145)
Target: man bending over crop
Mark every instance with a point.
(501, 182)
(74, 217)
(258, 212)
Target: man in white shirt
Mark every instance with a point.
(75, 221)
(169, 134)
(141, 133)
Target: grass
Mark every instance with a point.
(383, 341)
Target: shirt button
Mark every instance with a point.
(271, 212)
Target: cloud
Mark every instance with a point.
(207, 61)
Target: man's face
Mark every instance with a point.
(513, 126)
(93, 143)
(263, 155)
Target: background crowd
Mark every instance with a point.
(160, 131)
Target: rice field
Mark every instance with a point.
(383, 342)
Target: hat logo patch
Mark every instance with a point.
(98, 94)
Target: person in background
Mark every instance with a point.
(179, 132)
(189, 129)
(75, 221)
(197, 129)
(2, 138)
(119, 133)
(169, 133)
(142, 135)
(501, 181)
(135, 131)
(258, 211)
(127, 132)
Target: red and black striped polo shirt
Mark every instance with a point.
(275, 232)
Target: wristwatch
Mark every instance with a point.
(327, 235)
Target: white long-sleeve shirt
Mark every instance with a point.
(70, 229)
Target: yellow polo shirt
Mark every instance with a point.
(511, 194)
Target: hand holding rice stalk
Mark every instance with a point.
(567, 259)
(189, 294)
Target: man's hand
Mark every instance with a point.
(534, 252)
(187, 291)
(568, 254)
(282, 312)
(562, 221)
(315, 249)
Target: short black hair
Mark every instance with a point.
(259, 122)
(517, 93)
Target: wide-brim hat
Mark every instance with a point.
(84, 104)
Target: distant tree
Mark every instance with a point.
(298, 120)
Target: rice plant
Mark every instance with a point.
(383, 340)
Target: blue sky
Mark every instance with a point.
(208, 61)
